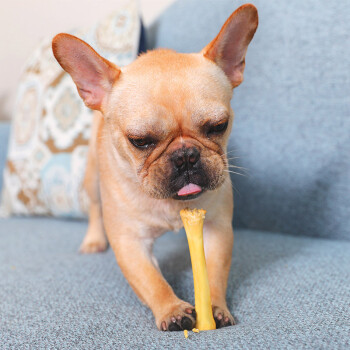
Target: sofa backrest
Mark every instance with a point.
(292, 113)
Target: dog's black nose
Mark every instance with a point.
(185, 158)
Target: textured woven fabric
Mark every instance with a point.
(51, 125)
(286, 292)
(292, 122)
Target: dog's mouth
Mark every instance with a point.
(190, 191)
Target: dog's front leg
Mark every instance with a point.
(95, 239)
(139, 266)
(218, 243)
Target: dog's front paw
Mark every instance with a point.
(93, 246)
(179, 317)
(222, 317)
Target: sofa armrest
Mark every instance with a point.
(4, 138)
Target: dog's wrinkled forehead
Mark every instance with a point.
(168, 87)
(163, 72)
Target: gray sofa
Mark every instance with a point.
(289, 286)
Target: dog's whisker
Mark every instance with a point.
(236, 166)
(233, 172)
(231, 168)
(230, 151)
(232, 158)
(238, 173)
(228, 154)
(233, 187)
(243, 170)
(230, 165)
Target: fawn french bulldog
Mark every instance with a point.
(158, 145)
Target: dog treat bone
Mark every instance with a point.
(193, 222)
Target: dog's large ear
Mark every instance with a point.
(93, 75)
(229, 48)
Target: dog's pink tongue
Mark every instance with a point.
(189, 189)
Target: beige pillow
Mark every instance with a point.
(51, 125)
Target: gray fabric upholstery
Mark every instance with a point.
(286, 292)
(292, 120)
(4, 136)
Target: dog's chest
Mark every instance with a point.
(171, 217)
(168, 216)
(175, 224)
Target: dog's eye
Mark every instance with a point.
(218, 128)
(142, 143)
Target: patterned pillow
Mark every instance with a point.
(51, 125)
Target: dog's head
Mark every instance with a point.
(168, 113)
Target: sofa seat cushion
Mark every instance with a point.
(284, 291)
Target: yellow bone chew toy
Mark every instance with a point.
(193, 222)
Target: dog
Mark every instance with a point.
(158, 145)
